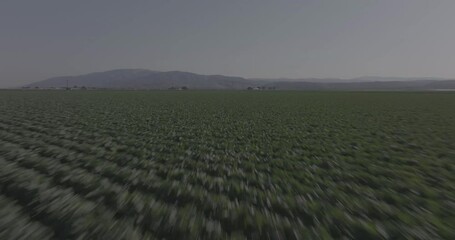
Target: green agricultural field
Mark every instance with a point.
(227, 165)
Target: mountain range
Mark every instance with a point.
(147, 79)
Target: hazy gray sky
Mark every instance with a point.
(248, 38)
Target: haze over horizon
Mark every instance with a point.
(254, 39)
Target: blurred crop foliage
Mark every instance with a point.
(226, 165)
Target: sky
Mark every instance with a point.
(247, 38)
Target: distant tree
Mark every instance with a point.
(249, 88)
(184, 88)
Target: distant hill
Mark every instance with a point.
(147, 79)
(377, 85)
(348, 80)
(144, 79)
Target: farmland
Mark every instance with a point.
(227, 165)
